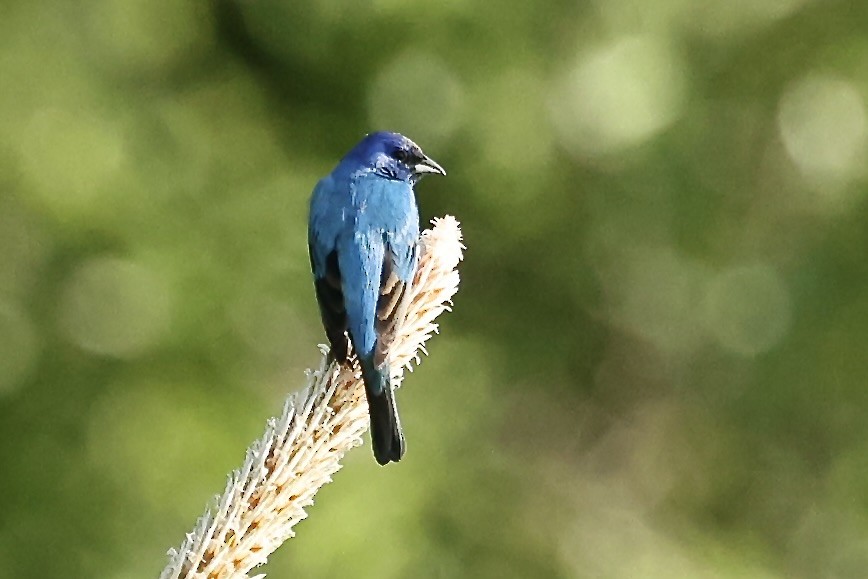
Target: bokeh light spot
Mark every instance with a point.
(618, 96)
(613, 537)
(25, 249)
(19, 347)
(69, 157)
(823, 126)
(725, 19)
(418, 95)
(656, 293)
(747, 309)
(115, 308)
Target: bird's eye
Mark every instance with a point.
(402, 155)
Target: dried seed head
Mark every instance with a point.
(302, 449)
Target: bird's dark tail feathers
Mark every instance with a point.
(386, 434)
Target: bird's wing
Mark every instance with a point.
(322, 233)
(399, 267)
(332, 309)
(378, 261)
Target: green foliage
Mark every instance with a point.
(656, 366)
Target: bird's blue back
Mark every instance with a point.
(363, 231)
(369, 219)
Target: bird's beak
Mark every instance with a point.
(428, 165)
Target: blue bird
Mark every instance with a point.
(362, 236)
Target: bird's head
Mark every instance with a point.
(394, 156)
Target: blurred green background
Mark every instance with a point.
(656, 366)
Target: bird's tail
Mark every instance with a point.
(386, 434)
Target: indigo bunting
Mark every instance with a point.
(362, 236)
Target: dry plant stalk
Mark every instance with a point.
(302, 449)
